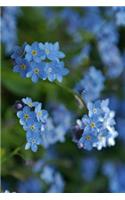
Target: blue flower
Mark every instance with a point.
(55, 70)
(33, 140)
(18, 52)
(36, 71)
(21, 66)
(41, 115)
(28, 101)
(25, 115)
(52, 51)
(32, 126)
(34, 53)
(87, 139)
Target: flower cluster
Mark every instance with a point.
(91, 85)
(39, 60)
(9, 27)
(33, 119)
(97, 127)
(40, 128)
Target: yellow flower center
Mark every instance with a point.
(34, 52)
(92, 125)
(32, 127)
(26, 116)
(30, 104)
(33, 141)
(36, 71)
(88, 137)
(47, 51)
(39, 113)
(23, 66)
(94, 110)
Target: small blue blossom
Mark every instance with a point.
(41, 115)
(87, 140)
(52, 51)
(33, 139)
(34, 53)
(28, 101)
(25, 115)
(36, 71)
(21, 66)
(55, 70)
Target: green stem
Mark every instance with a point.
(15, 152)
(77, 97)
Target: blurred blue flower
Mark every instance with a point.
(89, 167)
(53, 178)
(57, 125)
(9, 27)
(111, 58)
(115, 173)
(31, 185)
(91, 85)
(119, 15)
(47, 174)
(83, 55)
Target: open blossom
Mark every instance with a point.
(39, 61)
(97, 127)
